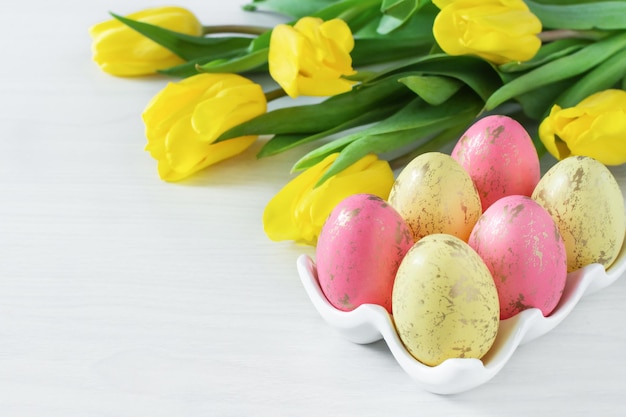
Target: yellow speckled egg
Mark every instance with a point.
(444, 301)
(434, 194)
(586, 203)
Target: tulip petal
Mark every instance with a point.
(604, 140)
(339, 31)
(278, 217)
(184, 119)
(185, 148)
(311, 87)
(595, 127)
(499, 31)
(120, 50)
(310, 57)
(188, 153)
(282, 58)
(547, 134)
(299, 210)
(236, 104)
(172, 101)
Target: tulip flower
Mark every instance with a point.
(185, 118)
(300, 209)
(311, 57)
(499, 31)
(595, 127)
(120, 50)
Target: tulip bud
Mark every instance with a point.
(311, 57)
(595, 127)
(300, 209)
(499, 31)
(185, 118)
(120, 50)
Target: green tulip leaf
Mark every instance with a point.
(474, 72)
(431, 88)
(377, 144)
(294, 9)
(604, 76)
(186, 46)
(426, 144)
(396, 13)
(260, 42)
(363, 20)
(607, 15)
(185, 70)
(318, 155)
(438, 142)
(381, 50)
(417, 26)
(319, 117)
(536, 104)
(253, 62)
(416, 116)
(346, 10)
(414, 38)
(548, 52)
(281, 143)
(559, 69)
(418, 113)
(244, 63)
(371, 141)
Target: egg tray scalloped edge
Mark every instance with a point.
(369, 323)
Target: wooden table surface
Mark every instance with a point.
(123, 295)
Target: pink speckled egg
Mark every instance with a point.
(359, 251)
(500, 157)
(525, 253)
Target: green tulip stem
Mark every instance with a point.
(274, 94)
(247, 30)
(553, 35)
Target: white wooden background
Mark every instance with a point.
(122, 295)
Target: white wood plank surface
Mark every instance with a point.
(122, 295)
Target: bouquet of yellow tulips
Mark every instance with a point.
(397, 78)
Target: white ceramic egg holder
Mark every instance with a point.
(369, 323)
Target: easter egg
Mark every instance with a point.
(434, 194)
(586, 202)
(445, 303)
(359, 250)
(525, 253)
(500, 157)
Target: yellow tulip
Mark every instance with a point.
(184, 119)
(595, 127)
(498, 31)
(120, 50)
(299, 210)
(311, 57)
